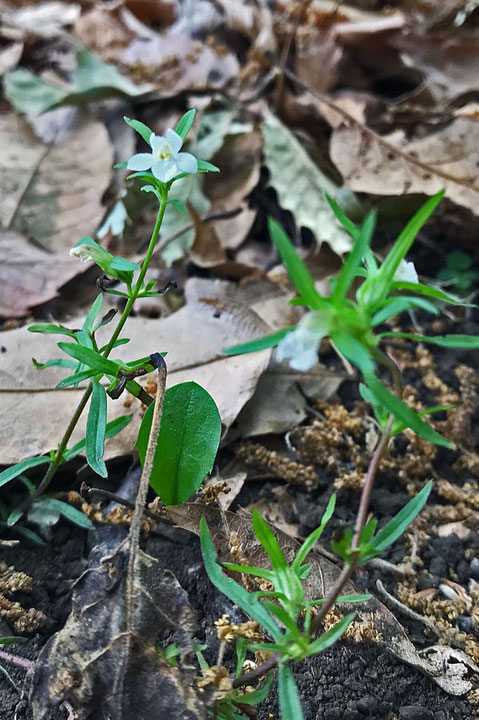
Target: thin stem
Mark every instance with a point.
(53, 467)
(263, 669)
(16, 660)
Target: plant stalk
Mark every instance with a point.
(53, 467)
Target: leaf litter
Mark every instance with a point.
(281, 139)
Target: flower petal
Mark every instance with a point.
(165, 170)
(174, 140)
(187, 162)
(141, 161)
(156, 141)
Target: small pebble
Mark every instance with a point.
(415, 712)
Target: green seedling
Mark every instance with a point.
(460, 274)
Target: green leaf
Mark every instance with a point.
(189, 436)
(284, 617)
(97, 304)
(264, 343)
(112, 428)
(179, 205)
(185, 123)
(296, 268)
(140, 128)
(331, 636)
(16, 470)
(57, 362)
(466, 342)
(250, 570)
(14, 517)
(347, 224)
(257, 696)
(50, 329)
(76, 378)
(346, 599)
(288, 696)
(407, 237)
(28, 93)
(396, 527)
(235, 592)
(12, 639)
(313, 537)
(353, 351)
(95, 430)
(205, 166)
(395, 306)
(267, 539)
(404, 413)
(72, 513)
(429, 292)
(354, 259)
(91, 358)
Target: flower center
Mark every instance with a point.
(164, 152)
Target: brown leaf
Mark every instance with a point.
(394, 165)
(53, 193)
(193, 337)
(104, 671)
(29, 276)
(448, 668)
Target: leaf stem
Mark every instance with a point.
(55, 464)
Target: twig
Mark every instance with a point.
(263, 669)
(86, 491)
(405, 609)
(15, 660)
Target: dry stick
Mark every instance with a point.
(135, 527)
(16, 660)
(86, 491)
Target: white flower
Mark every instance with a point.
(301, 345)
(165, 159)
(90, 250)
(83, 252)
(406, 272)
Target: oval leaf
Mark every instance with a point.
(189, 436)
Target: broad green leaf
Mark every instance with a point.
(331, 636)
(396, 527)
(264, 343)
(267, 539)
(95, 430)
(288, 696)
(354, 259)
(49, 329)
(235, 592)
(185, 123)
(188, 440)
(140, 128)
(91, 358)
(72, 513)
(465, 342)
(28, 93)
(296, 268)
(395, 306)
(301, 185)
(404, 413)
(16, 470)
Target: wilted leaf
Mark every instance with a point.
(437, 662)
(103, 670)
(301, 185)
(29, 276)
(53, 193)
(395, 165)
(193, 337)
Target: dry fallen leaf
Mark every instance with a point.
(193, 337)
(53, 192)
(394, 165)
(90, 663)
(29, 276)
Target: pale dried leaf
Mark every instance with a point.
(301, 185)
(193, 337)
(29, 276)
(53, 193)
(394, 165)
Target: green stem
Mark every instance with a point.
(54, 465)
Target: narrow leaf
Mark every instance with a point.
(355, 257)
(264, 343)
(396, 527)
(72, 513)
(140, 128)
(466, 342)
(313, 537)
(331, 636)
(185, 123)
(267, 539)
(49, 329)
(91, 358)
(95, 430)
(289, 702)
(16, 470)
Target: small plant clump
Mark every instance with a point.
(181, 429)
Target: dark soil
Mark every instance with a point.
(348, 682)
